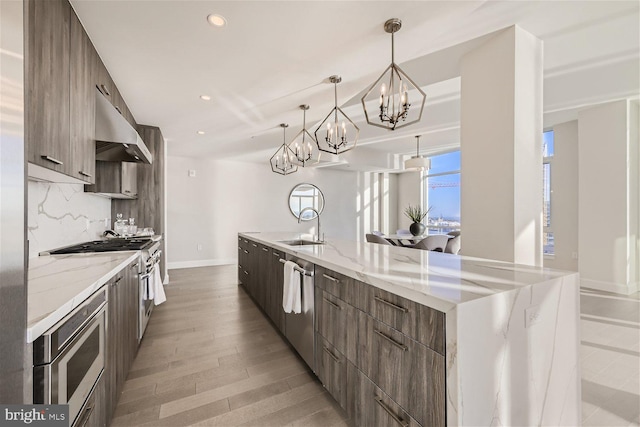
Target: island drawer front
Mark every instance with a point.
(417, 321)
(331, 319)
(339, 285)
(331, 368)
(413, 374)
(368, 405)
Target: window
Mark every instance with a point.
(441, 192)
(547, 162)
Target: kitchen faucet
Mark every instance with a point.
(317, 216)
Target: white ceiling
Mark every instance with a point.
(275, 55)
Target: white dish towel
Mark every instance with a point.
(291, 293)
(158, 288)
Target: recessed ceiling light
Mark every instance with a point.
(217, 20)
(200, 132)
(205, 97)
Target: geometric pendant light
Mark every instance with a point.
(282, 162)
(418, 162)
(388, 102)
(337, 133)
(302, 144)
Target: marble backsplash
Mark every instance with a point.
(63, 214)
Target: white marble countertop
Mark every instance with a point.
(438, 280)
(59, 283)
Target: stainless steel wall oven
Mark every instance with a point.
(69, 357)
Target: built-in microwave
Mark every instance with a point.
(69, 357)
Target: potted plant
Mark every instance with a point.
(416, 214)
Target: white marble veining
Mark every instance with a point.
(512, 331)
(63, 214)
(59, 283)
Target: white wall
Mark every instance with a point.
(564, 198)
(63, 214)
(227, 197)
(409, 193)
(608, 197)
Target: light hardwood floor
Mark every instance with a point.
(211, 357)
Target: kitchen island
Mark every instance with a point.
(511, 331)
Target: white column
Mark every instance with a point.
(501, 149)
(564, 199)
(608, 197)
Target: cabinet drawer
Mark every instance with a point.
(339, 285)
(368, 405)
(417, 321)
(412, 374)
(331, 368)
(331, 319)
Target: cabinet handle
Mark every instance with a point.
(246, 241)
(52, 160)
(332, 303)
(127, 191)
(118, 280)
(118, 110)
(333, 279)
(388, 410)
(254, 245)
(275, 254)
(245, 251)
(104, 90)
(239, 248)
(265, 249)
(390, 304)
(392, 341)
(239, 266)
(134, 265)
(245, 272)
(86, 415)
(83, 173)
(335, 359)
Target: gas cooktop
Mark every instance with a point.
(108, 245)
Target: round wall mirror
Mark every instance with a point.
(306, 196)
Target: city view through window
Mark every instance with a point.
(441, 192)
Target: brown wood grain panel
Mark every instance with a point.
(331, 319)
(331, 368)
(47, 83)
(82, 103)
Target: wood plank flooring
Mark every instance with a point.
(210, 357)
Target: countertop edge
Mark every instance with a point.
(42, 325)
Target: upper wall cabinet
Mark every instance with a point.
(63, 70)
(47, 80)
(83, 61)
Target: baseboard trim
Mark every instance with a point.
(616, 288)
(201, 263)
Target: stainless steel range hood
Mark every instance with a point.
(116, 139)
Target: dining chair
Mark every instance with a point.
(436, 242)
(372, 238)
(453, 245)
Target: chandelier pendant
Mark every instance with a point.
(339, 130)
(301, 144)
(282, 162)
(393, 89)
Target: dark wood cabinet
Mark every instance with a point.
(82, 104)
(331, 368)
(122, 330)
(118, 180)
(275, 289)
(368, 405)
(331, 319)
(62, 72)
(380, 356)
(47, 84)
(94, 411)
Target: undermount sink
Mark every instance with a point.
(300, 242)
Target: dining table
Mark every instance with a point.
(406, 239)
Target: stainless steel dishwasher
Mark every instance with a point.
(299, 328)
